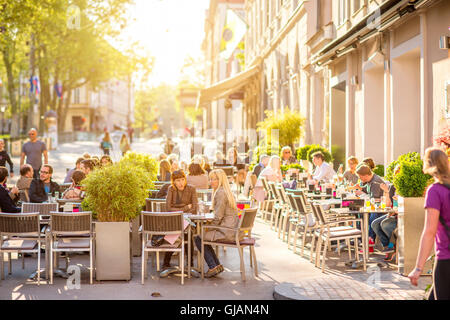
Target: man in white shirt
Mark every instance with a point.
(323, 170)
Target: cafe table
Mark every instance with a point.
(197, 221)
(329, 203)
(365, 227)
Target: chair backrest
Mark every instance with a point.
(150, 204)
(273, 188)
(162, 223)
(283, 194)
(152, 193)
(71, 222)
(42, 208)
(19, 224)
(248, 219)
(319, 215)
(292, 202)
(300, 204)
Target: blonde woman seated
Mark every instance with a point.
(271, 173)
(197, 176)
(225, 215)
(74, 192)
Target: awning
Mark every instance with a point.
(226, 87)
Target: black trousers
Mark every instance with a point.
(441, 281)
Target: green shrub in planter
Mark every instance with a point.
(302, 153)
(117, 193)
(410, 181)
(143, 160)
(411, 156)
(379, 170)
(315, 148)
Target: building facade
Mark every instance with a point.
(94, 110)
(369, 76)
(221, 112)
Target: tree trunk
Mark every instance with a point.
(63, 108)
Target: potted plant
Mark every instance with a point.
(410, 183)
(116, 194)
(151, 166)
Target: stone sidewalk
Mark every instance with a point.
(277, 266)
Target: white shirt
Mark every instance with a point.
(324, 172)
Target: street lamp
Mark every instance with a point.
(3, 109)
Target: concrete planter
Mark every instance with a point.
(411, 218)
(113, 254)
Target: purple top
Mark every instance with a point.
(438, 197)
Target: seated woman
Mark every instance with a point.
(350, 175)
(225, 215)
(6, 203)
(74, 192)
(197, 176)
(234, 159)
(205, 164)
(180, 197)
(286, 156)
(165, 170)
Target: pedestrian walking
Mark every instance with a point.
(4, 158)
(106, 144)
(33, 150)
(124, 144)
(436, 227)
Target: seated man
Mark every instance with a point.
(6, 203)
(87, 166)
(39, 188)
(370, 184)
(323, 171)
(264, 161)
(24, 182)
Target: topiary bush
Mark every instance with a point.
(379, 170)
(315, 148)
(338, 155)
(144, 161)
(389, 174)
(302, 153)
(117, 192)
(410, 181)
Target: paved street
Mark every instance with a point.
(277, 265)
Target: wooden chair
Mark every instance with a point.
(20, 233)
(304, 223)
(70, 232)
(267, 205)
(330, 231)
(287, 212)
(163, 223)
(245, 225)
(277, 205)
